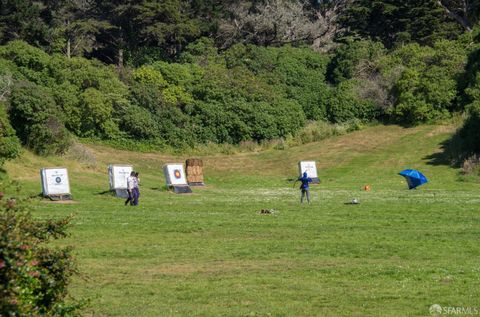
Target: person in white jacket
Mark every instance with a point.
(131, 180)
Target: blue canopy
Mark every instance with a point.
(414, 178)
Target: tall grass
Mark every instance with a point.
(314, 131)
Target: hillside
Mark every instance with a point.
(372, 148)
(211, 253)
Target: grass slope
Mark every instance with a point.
(211, 254)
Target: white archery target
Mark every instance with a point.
(117, 175)
(55, 181)
(308, 166)
(174, 174)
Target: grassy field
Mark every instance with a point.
(211, 253)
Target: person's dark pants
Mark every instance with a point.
(136, 195)
(305, 192)
(130, 197)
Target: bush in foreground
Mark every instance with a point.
(33, 276)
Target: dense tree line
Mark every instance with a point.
(145, 30)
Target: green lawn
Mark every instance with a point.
(211, 253)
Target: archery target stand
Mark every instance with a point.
(117, 176)
(175, 178)
(194, 172)
(311, 168)
(55, 183)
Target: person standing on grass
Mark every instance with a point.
(130, 188)
(136, 189)
(304, 187)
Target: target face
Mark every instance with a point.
(118, 176)
(308, 166)
(55, 181)
(174, 174)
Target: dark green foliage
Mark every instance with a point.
(427, 87)
(97, 110)
(80, 94)
(345, 104)
(152, 118)
(33, 276)
(143, 30)
(37, 119)
(243, 93)
(396, 22)
(350, 56)
(9, 143)
(139, 123)
(30, 62)
(295, 73)
(470, 81)
(470, 132)
(21, 19)
(239, 102)
(137, 32)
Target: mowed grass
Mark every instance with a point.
(211, 253)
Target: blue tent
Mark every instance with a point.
(414, 178)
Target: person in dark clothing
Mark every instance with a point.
(136, 190)
(304, 187)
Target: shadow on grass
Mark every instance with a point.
(445, 157)
(452, 153)
(164, 188)
(106, 193)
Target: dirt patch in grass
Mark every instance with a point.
(147, 272)
(60, 202)
(442, 129)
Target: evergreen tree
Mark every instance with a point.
(142, 28)
(396, 22)
(22, 19)
(74, 26)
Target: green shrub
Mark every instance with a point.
(48, 138)
(202, 52)
(292, 73)
(149, 75)
(10, 146)
(348, 59)
(146, 96)
(184, 75)
(97, 110)
(31, 62)
(470, 131)
(428, 84)
(67, 97)
(139, 123)
(84, 92)
(345, 105)
(38, 119)
(33, 275)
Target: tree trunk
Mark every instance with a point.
(463, 21)
(69, 41)
(69, 49)
(120, 58)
